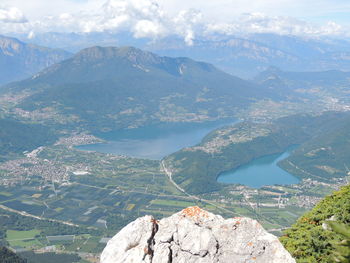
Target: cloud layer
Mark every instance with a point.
(260, 23)
(12, 15)
(149, 19)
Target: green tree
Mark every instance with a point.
(342, 252)
(309, 242)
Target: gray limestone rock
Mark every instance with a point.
(194, 236)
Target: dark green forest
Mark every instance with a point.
(7, 256)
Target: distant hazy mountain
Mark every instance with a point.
(302, 46)
(325, 78)
(74, 42)
(244, 56)
(247, 56)
(238, 56)
(121, 87)
(331, 83)
(19, 60)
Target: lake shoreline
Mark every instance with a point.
(262, 165)
(154, 142)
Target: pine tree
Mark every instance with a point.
(342, 253)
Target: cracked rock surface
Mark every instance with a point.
(194, 236)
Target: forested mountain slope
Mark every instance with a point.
(196, 168)
(326, 155)
(17, 137)
(122, 87)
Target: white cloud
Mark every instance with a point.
(332, 28)
(261, 23)
(12, 15)
(224, 10)
(142, 17)
(186, 23)
(160, 18)
(65, 16)
(39, 9)
(147, 28)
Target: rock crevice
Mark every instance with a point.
(149, 251)
(194, 236)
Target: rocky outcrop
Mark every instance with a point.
(194, 236)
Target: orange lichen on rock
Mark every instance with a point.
(154, 221)
(194, 211)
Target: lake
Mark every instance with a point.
(156, 141)
(260, 172)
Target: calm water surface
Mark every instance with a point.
(154, 142)
(260, 172)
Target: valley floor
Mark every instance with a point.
(106, 192)
(89, 196)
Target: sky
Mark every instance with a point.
(186, 18)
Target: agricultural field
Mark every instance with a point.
(25, 239)
(91, 196)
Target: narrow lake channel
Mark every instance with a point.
(260, 172)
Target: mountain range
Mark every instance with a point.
(19, 60)
(110, 87)
(241, 55)
(329, 87)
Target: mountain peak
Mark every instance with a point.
(270, 73)
(19, 60)
(9, 44)
(108, 76)
(194, 235)
(132, 54)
